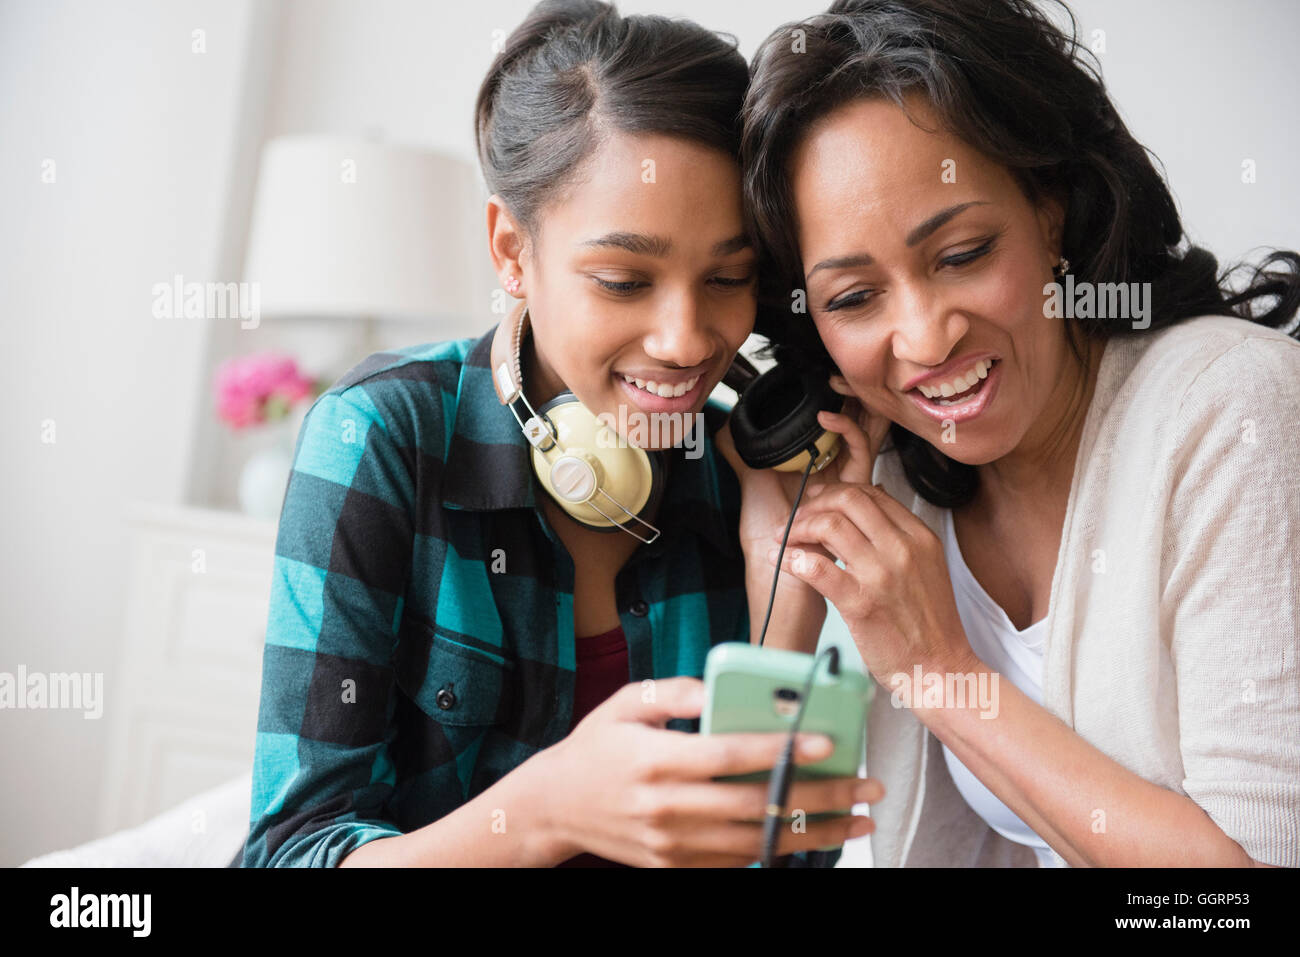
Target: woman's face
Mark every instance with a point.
(923, 259)
(641, 269)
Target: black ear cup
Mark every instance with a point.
(775, 418)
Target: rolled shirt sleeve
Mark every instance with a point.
(323, 769)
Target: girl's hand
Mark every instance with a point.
(624, 787)
(894, 592)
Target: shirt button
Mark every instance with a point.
(639, 608)
(445, 698)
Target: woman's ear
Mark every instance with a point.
(1051, 223)
(506, 244)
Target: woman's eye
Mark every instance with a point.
(849, 300)
(620, 288)
(860, 296)
(970, 255)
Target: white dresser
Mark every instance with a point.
(183, 699)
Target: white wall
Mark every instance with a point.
(1205, 85)
(141, 131)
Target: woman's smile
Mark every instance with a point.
(962, 397)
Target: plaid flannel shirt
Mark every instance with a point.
(420, 638)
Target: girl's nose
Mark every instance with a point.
(681, 334)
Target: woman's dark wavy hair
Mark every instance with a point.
(574, 71)
(1005, 79)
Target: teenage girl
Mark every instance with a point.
(457, 669)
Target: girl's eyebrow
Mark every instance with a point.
(914, 237)
(659, 246)
(733, 245)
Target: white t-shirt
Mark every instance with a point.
(1015, 655)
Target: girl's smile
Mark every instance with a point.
(684, 394)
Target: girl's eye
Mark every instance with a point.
(620, 288)
(628, 287)
(969, 256)
(733, 282)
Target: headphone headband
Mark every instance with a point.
(508, 380)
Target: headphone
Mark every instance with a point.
(609, 484)
(774, 422)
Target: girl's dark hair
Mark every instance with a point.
(575, 70)
(1005, 79)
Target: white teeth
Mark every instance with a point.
(959, 384)
(663, 390)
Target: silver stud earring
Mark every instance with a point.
(1061, 268)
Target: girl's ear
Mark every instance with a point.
(506, 244)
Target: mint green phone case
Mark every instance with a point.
(747, 688)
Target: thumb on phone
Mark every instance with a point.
(655, 701)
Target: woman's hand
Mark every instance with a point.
(768, 495)
(894, 592)
(624, 787)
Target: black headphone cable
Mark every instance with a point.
(778, 788)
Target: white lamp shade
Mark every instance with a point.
(345, 227)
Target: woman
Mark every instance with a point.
(1088, 490)
(446, 676)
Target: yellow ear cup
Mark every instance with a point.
(588, 459)
(828, 446)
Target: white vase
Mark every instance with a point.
(265, 475)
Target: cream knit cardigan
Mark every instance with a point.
(1175, 605)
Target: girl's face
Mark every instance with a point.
(641, 269)
(923, 259)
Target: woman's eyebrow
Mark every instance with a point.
(914, 237)
(937, 220)
(659, 246)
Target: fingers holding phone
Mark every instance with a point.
(627, 789)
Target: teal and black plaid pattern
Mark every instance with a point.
(420, 640)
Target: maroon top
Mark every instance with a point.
(601, 670)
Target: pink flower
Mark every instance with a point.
(246, 383)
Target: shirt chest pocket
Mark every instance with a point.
(464, 686)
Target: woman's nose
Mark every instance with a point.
(924, 330)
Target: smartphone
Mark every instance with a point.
(749, 688)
